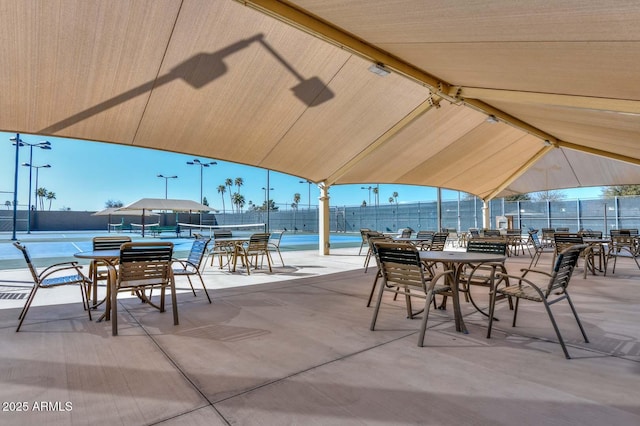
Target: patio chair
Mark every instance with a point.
(98, 269)
(363, 235)
(406, 233)
(402, 273)
(53, 276)
(554, 291)
(367, 258)
(622, 245)
(483, 274)
(538, 247)
(423, 239)
(274, 244)
(191, 265)
(258, 245)
(374, 253)
(144, 266)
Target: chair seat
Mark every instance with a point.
(69, 279)
(524, 292)
(182, 271)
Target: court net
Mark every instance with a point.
(211, 231)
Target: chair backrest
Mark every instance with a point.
(27, 258)
(197, 252)
(275, 238)
(144, 264)
(536, 240)
(588, 233)
(425, 235)
(566, 240)
(438, 241)
(222, 233)
(370, 234)
(363, 234)
(109, 243)
(487, 246)
(406, 233)
(258, 241)
(621, 241)
(562, 229)
(474, 232)
(400, 264)
(629, 231)
(514, 232)
(492, 233)
(563, 269)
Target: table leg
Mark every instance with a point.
(457, 312)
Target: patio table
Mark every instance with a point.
(456, 260)
(110, 257)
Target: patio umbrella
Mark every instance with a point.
(146, 204)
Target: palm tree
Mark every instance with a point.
(239, 182)
(42, 194)
(296, 200)
(390, 200)
(238, 201)
(221, 190)
(376, 194)
(51, 196)
(8, 204)
(395, 196)
(229, 183)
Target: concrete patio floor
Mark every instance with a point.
(294, 347)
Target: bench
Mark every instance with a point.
(157, 230)
(222, 233)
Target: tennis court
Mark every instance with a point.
(49, 247)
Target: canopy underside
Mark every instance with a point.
(287, 86)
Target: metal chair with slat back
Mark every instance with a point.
(483, 274)
(144, 266)
(98, 269)
(191, 265)
(258, 245)
(554, 291)
(402, 273)
(53, 276)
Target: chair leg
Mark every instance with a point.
(555, 327)
(204, 287)
(174, 301)
(191, 285)
(575, 314)
(423, 326)
(377, 308)
(373, 287)
(27, 304)
(515, 312)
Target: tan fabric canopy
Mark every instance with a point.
(145, 204)
(287, 86)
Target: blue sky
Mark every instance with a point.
(84, 175)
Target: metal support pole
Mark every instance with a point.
(15, 188)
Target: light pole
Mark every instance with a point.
(18, 143)
(166, 179)
(309, 194)
(41, 145)
(369, 188)
(46, 166)
(197, 162)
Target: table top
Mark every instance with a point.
(98, 254)
(461, 256)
